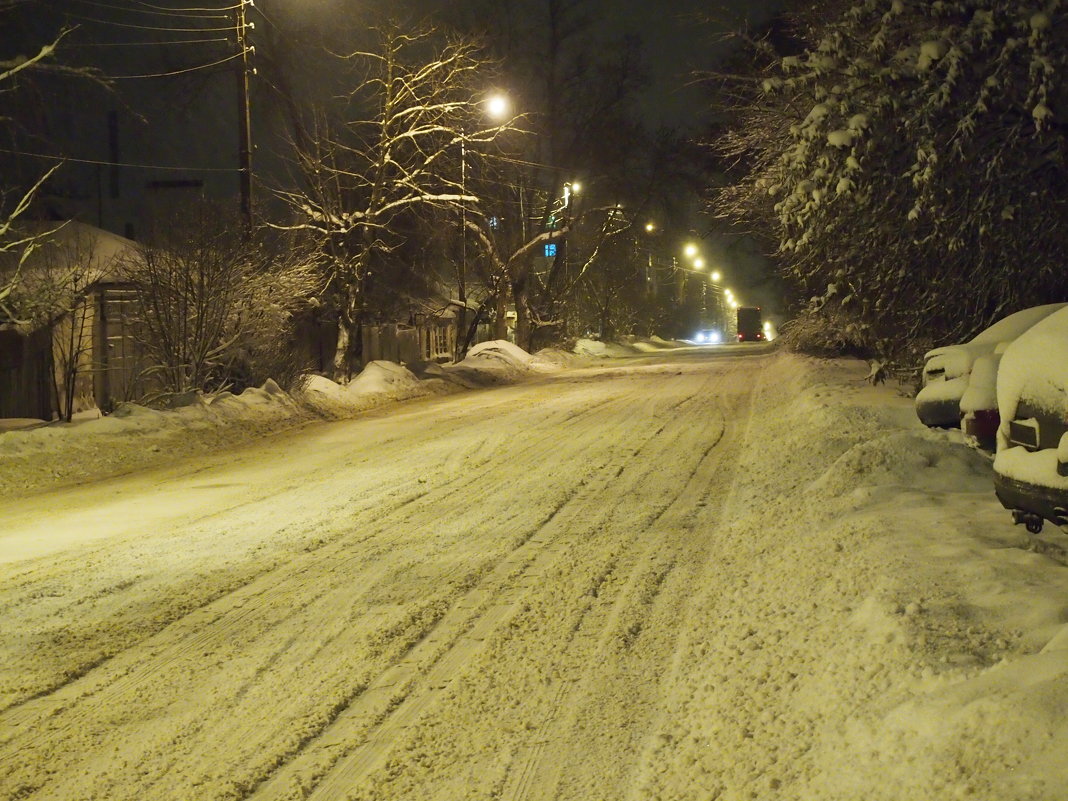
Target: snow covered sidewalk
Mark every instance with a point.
(134, 437)
(871, 626)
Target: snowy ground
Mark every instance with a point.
(685, 574)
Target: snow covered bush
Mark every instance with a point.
(908, 157)
(215, 308)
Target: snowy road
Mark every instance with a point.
(543, 591)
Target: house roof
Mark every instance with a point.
(69, 243)
(62, 250)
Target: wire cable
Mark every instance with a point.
(160, 12)
(148, 27)
(157, 43)
(102, 163)
(177, 72)
(187, 10)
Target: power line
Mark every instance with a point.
(116, 163)
(175, 72)
(186, 10)
(157, 12)
(148, 27)
(157, 43)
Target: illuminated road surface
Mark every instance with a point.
(505, 594)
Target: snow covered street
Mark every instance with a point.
(690, 575)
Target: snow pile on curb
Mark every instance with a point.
(871, 591)
(378, 383)
(134, 436)
(602, 350)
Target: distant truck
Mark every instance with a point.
(750, 324)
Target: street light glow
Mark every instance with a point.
(690, 250)
(716, 275)
(650, 227)
(497, 107)
(699, 263)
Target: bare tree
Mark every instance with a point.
(395, 147)
(212, 302)
(16, 246)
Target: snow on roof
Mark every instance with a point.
(64, 242)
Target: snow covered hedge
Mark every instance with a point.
(905, 161)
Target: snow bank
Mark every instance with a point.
(35, 455)
(133, 437)
(499, 351)
(379, 382)
(602, 350)
(874, 594)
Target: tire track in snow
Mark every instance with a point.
(374, 750)
(31, 715)
(538, 770)
(463, 630)
(375, 511)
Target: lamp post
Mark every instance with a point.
(496, 108)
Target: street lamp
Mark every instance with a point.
(716, 276)
(699, 263)
(496, 107)
(690, 250)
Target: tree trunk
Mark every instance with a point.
(342, 367)
(500, 322)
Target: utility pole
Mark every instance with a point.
(244, 116)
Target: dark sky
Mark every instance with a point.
(676, 40)
(677, 43)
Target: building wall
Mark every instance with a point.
(25, 374)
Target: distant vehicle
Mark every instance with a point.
(750, 324)
(1031, 464)
(947, 374)
(708, 336)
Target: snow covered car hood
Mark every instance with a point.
(1034, 371)
(1035, 368)
(954, 361)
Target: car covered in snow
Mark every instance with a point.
(1031, 464)
(948, 370)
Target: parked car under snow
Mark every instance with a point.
(948, 373)
(1031, 465)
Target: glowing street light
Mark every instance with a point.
(699, 263)
(497, 107)
(650, 227)
(716, 276)
(690, 250)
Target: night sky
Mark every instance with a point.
(678, 36)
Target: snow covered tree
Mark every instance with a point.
(908, 161)
(396, 146)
